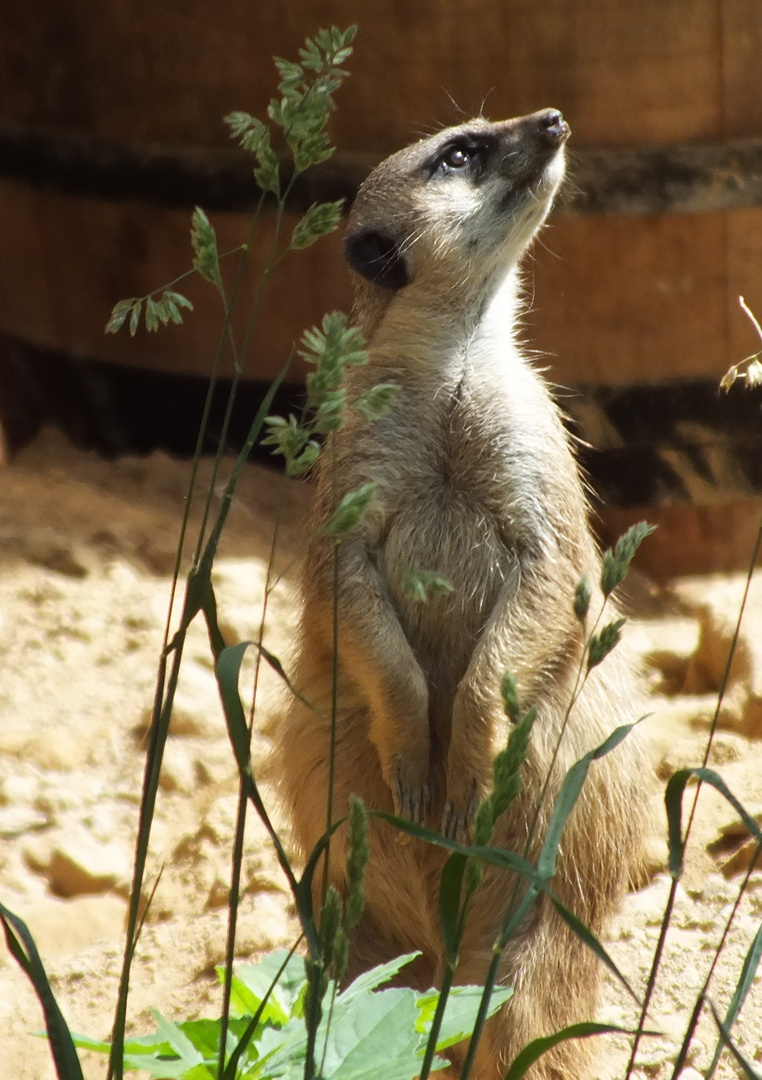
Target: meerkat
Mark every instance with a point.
(475, 480)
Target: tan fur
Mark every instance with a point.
(475, 480)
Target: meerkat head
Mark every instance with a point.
(462, 204)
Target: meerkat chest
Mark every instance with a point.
(464, 465)
(452, 499)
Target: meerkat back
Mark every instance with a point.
(475, 484)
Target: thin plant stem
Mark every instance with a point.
(240, 828)
(229, 307)
(157, 738)
(334, 706)
(673, 887)
(234, 896)
(499, 946)
(163, 700)
(186, 274)
(481, 1016)
(230, 1072)
(334, 992)
(701, 999)
(726, 930)
(436, 1023)
(313, 1022)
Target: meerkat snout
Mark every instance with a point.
(553, 123)
(456, 196)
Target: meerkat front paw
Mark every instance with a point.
(408, 781)
(463, 797)
(469, 769)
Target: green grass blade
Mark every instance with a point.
(429, 1055)
(450, 884)
(24, 951)
(506, 860)
(228, 672)
(748, 1070)
(586, 935)
(673, 798)
(516, 916)
(253, 1025)
(567, 798)
(538, 1047)
(745, 979)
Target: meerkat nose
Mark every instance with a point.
(553, 125)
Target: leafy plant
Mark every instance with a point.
(370, 1033)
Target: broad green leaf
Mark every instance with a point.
(177, 1039)
(377, 976)
(98, 1046)
(379, 1026)
(405, 1067)
(460, 1012)
(156, 1067)
(244, 1002)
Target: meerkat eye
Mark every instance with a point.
(457, 157)
(463, 156)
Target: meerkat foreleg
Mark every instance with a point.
(375, 654)
(506, 645)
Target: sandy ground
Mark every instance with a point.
(86, 554)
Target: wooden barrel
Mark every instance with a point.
(635, 283)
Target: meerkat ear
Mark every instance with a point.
(377, 257)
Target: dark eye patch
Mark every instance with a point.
(465, 155)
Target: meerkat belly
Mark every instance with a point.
(448, 534)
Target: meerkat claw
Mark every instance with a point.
(398, 798)
(452, 822)
(472, 808)
(410, 805)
